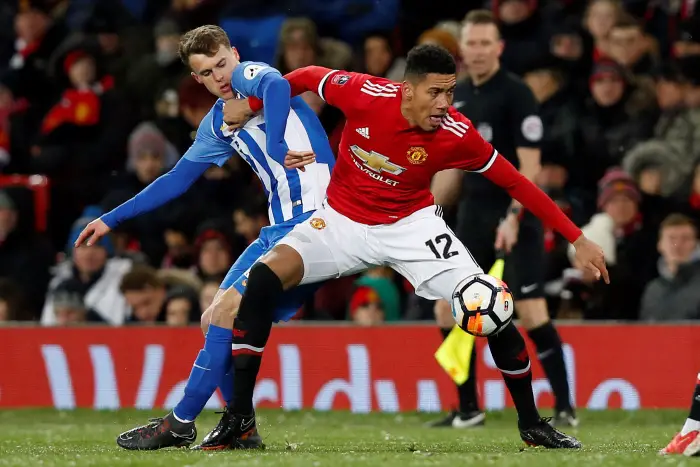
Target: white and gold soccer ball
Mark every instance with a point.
(482, 305)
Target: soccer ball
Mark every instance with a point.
(482, 305)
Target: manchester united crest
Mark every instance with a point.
(318, 223)
(417, 155)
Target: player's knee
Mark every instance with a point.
(532, 312)
(226, 304)
(443, 314)
(287, 264)
(205, 320)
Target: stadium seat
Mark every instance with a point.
(255, 38)
(31, 196)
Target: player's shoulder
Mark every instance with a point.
(377, 87)
(251, 70)
(212, 125)
(369, 86)
(455, 125)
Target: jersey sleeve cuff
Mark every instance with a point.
(488, 164)
(322, 84)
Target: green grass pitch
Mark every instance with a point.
(313, 439)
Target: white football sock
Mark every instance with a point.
(690, 425)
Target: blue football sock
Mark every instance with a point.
(226, 386)
(212, 363)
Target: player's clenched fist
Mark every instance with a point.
(590, 257)
(92, 233)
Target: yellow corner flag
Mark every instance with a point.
(455, 353)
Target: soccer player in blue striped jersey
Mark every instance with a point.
(293, 195)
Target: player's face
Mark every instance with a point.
(215, 72)
(481, 47)
(429, 99)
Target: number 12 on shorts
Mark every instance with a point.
(445, 241)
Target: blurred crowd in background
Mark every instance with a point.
(94, 99)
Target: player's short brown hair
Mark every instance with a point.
(678, 220)
(206, 40)
(481, 17)
(140, 277)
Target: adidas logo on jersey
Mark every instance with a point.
(364, 132)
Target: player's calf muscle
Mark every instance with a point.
(287, 265)
(443, 314)
(532, 312)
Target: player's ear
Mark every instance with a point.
(236, 54)
(407, 90)
(501, 46)
(196, 77)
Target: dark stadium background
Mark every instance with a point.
(94, 105)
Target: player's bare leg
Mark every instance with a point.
(468, 414)
(533, 316)
(223, 309)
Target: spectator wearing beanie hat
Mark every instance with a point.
(628, 238)
(366, 308)
(213, 250)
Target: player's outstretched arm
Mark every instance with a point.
(165, 188)
(504, 174)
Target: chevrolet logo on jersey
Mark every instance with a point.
(376, 161)
(373, 164)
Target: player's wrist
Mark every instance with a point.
(515, 213)
(254, 105)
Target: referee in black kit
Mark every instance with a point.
(504, 111)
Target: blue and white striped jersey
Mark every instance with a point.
(290, 193)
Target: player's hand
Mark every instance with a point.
(507, 233)
(298, 159)
(92, 232)
(590, 258)
(236, 113)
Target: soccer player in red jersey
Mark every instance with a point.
(380, 211)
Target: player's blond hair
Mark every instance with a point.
(206, 40)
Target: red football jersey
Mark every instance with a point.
(385, 166)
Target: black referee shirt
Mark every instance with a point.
(504, 111)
